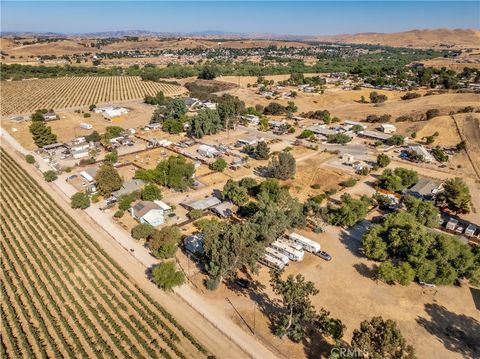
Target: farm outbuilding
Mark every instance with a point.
(202, 204)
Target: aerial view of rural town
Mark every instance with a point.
(231, 180)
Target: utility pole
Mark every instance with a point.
(254, 321)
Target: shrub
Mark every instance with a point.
(339, 138)
(218, 165)
(166, 276)
(119, 214)
(432, 113)
(349, 182)
(195, 214)
(50, 175)
(151, 192)
(212, 283)
(80, 200)
(306, 134)
(142, 231)
(86, 115)
(383, 160)
(30, 159)
(410, 95)
(375, 97)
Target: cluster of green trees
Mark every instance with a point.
(175, 172)
(42, 134)
(321, 115)
(375, 97)
(206, 122)
(398, 179)
(378, 119)
(373, 65)
(229, 246)
(408, 250)
(260, 151)
(298, 318)
(349, 212)
(340, 138)
(455, 196)
(282, 166)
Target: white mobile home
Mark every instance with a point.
(208, 151)
(306, 243)
(277, 254)
(290, 252)
(271, 262)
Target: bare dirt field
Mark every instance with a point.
(469, 126)
(19, 97)
(312, 171)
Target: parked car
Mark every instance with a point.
(324, 255)
(242, 283)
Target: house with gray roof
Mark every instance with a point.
(202, 204)
(425, 188)
(224, 209)
(128, 187)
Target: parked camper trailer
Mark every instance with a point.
(274, 253)
(86, 126)
(306, 243)
(271, 262)
(290, 252)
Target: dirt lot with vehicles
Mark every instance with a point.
(440, 322)
(67, 126)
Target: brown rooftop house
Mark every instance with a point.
(425, 189)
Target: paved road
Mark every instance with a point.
(208, 324)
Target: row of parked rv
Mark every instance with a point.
(292, 248)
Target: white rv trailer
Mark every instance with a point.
(271, 262)
(291, 244)
(306, 243)
(290, 252)
(277, 254)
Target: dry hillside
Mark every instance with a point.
(414, 38)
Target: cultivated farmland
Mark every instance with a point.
(62, 296)
(18, 97)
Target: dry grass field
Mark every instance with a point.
(26, 96)
(63, 296)
(428, 38)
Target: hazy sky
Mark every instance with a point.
(280, 17)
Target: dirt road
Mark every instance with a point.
(238, 345)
